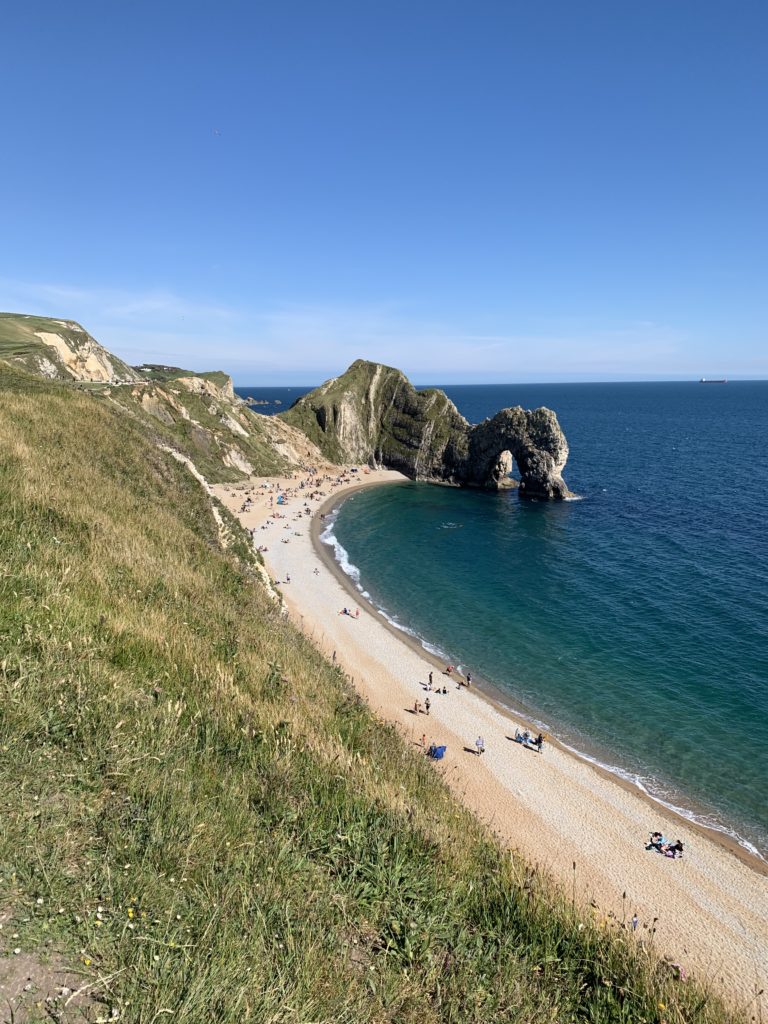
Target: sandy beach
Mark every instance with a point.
(707, 911)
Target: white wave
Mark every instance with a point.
(409, 632)
(646, 787)
(340, 554)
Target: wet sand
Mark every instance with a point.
(707, 911)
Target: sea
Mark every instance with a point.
(632, 622)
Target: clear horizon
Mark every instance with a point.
(498, 190)
(430, 383)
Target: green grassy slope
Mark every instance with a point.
(374, 412)
(197, 421)
(201, 435)
(22, 348)
(198, 813)
(160, 373)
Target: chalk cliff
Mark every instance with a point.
(196, 414)
(373, 414)
(58, 350)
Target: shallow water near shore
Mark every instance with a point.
(632, 623)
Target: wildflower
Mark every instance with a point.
(662, 1006)
(130, 912)
(87, 961)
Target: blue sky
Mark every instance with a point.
(484, 191)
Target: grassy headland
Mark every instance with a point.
(198, 813)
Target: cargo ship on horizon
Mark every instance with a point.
(712, 380)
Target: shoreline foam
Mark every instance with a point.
(708, 911)
(716, 831)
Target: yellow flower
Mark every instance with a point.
(87, 961)
(130, 912)
(662, 1006)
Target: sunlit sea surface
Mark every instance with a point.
(632, 623)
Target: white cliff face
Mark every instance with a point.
(236, 460)
(208, 388)
(84, 360)
(231, 424)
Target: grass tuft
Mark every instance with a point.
(200, 815)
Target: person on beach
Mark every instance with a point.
(427, 704)
(469, 679)
(673, 849)
(539, 742)
(416, 707)
(423, 739)
(656, 841)
(480, 744)
(430, 680)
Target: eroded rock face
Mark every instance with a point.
(372, 414)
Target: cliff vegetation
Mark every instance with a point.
(373, 414)
(196, 414)
(201, 822)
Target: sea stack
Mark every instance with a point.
(372, 414)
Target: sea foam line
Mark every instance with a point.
(646, 788)
(349, 569)
(341, 555)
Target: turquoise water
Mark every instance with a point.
(633, 623)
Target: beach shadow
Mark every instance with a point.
(470, 750)
(525, 746)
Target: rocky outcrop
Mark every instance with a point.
(59, 350)
(373, 414)
(197, 414)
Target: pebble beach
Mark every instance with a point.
(706, 911)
